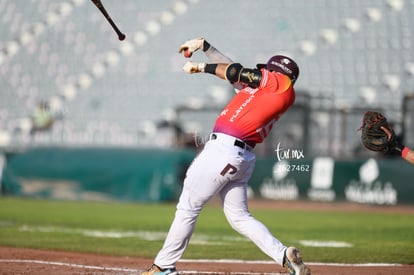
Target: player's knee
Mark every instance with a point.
(237, 218)
(187, 214)
(190, 203)
(188, 209)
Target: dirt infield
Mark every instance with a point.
(32, 261)
(42, 262)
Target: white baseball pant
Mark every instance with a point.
(221, 168)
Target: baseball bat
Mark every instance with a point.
(101, 7)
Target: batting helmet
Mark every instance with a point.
(282, 64)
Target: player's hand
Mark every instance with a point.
(191, 46)
(193, 67)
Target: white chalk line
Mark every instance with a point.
(124, 269)
(118, 269)
(229, 261)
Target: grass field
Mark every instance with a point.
(132, 229)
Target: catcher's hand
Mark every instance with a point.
(193, 67)
(377, 135)
(191, 46)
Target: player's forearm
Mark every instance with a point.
(218, 70)
(408, 155)
(235, 73)
(214, 55)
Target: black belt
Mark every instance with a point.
(237, 142)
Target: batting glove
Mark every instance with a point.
(191, 46)
(194, 67)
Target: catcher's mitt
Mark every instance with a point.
(373, 137)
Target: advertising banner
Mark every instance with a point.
(371, 181)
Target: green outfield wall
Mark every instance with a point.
(153, 175)
(96, 174)
(371, 181)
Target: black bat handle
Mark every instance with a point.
(101, 7)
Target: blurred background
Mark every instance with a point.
(68, 82)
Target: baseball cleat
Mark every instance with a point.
(293, 262)
(155, 270)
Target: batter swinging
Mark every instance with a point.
(227, 161)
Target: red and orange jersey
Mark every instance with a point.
(251, 113)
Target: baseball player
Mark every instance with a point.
(226, 162)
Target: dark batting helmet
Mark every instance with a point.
(282, 64)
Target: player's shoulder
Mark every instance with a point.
(279, 82)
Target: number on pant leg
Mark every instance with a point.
(230, 169)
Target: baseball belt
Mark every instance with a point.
(237, 142)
